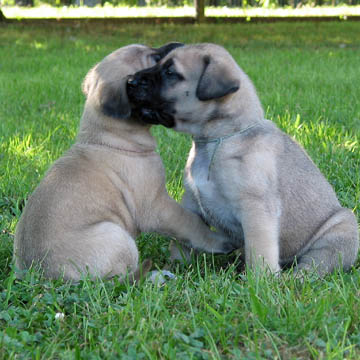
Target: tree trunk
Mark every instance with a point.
(29, 3)
(200, 10)
(2, 16)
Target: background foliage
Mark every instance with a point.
(177, 3)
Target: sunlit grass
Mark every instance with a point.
(46, 11)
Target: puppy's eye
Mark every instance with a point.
(156, 57)
(171, 74)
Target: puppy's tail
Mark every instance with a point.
(140, 272)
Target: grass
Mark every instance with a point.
(306, 75)
(46, 11)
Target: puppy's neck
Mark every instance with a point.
(223, 127)
(124, 135)
(238, 112)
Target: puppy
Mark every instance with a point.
(109, 187)
(244, 176)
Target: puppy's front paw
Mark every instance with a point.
(223, 245)
(228, 247)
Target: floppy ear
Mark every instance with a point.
(113, 99)
(110, 97)
(215, 81)
(165, 49)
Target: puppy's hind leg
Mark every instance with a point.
(335, 245)
(107, 250)
(124, 256)
(120, 255)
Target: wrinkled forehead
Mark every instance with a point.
(146, 56)
(140, 56)
(125, 61)
(186, 60)
(192, 59)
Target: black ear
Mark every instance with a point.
(215, 81)
(113, 99)
(164, 50)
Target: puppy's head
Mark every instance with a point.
(105, 84)
(192, 85)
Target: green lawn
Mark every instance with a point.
(307, 76)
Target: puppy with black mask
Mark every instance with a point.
(244, 176)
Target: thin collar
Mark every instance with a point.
(103, 145)
(219, 141)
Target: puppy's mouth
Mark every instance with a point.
(153, 117)
(149, 110)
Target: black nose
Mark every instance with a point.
(136, 81)
(132, 81)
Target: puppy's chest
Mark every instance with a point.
(201, 182)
